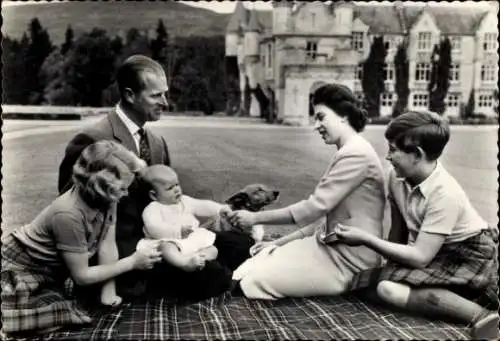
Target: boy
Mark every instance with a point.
(450, 253)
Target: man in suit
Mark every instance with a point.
(143, 87)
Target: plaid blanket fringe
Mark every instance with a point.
(471, 264)
(236, 318)
(31, 298)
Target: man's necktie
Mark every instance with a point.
(144, 152)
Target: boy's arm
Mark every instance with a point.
(418, 255)
(441, 214)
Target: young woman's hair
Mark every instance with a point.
(99, 171)
(131, 73)
(340, 99)
(424, 129)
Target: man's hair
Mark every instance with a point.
(130, 73)
(423, 129)
(100, 168)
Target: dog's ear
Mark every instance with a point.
(238, 200)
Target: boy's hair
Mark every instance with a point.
(424, 129)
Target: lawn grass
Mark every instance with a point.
(216, 161)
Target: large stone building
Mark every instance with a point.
(287, 51)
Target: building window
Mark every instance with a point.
(485, 101)
(456, 43)
(312, 50)
(389, 43)
(423, 72)
(387, 99)
(455, 72)
(388, 72)
(357, 41)
(488, 72)
(453, 100)
(424, 41)
(358, 72)
(490, 42)
(420, 100)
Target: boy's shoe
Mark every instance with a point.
(486, 328)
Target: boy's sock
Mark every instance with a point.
(445, 303)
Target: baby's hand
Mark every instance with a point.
(110, 299)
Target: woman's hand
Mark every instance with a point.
(242, 219)
(258, 247)
(351, 235)
(144, 260)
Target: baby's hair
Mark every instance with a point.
(424, 129)
(150, 177)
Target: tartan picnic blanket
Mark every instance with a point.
(229, 317)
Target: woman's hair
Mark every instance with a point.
(340, 99)
(424, 129)
(99, 171)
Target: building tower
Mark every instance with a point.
(252, 61)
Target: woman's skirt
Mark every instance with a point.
(33, 295)
(469, 268)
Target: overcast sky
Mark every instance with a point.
(227, 6)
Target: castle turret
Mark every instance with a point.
(282, 11)
(343, 14)
(233, 29)
(252, 36)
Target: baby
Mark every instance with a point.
(173, 218)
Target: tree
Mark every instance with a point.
(373, 77)
(159, 45)
(14, 86)
(440, 77)
(135, 43)
(90, 67)
(402, 69)
(468, 111)
(58, 90)
(38, 49)
(68, 41)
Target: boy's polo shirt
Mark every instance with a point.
(437, 205)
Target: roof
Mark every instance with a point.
(450, 20)
(239, 17)
(381, 19)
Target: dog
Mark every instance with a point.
(252, 198)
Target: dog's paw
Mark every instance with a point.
(258, 233)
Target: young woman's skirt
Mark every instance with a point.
(33, 295)
(469, 268)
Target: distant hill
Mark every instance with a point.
(114, 17)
